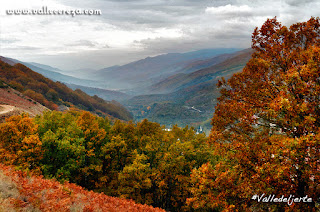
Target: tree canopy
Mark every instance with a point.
(266, 126)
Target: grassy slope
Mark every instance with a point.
(21, 103)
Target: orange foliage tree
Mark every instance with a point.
(266, 126)
(19, 143)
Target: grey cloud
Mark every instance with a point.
(299, 2)
(200, 40)
(152, 14)
(83, 43)
(8, 40)
(241, 12)
(21, 48)
(89, 44)
(231, 27)
(164, 2)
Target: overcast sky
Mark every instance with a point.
(130, 30)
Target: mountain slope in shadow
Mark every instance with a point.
(190, 98)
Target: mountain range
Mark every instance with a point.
(52, 73)
(135, 77)
(174, 88)
(187, 99)
(85, 85)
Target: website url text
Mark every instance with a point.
(46, 11)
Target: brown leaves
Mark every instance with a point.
(266, 124)
(49, 195)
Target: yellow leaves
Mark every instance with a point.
(162, 184)
(20, 145)
(303, 107)
(280, 104)
(284, 103)
(90, 153)
(93, 134)
(268, 167)
(87, 121)
(135, 178)
(32, 144)
(309, 120)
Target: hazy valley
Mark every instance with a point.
(175, 88)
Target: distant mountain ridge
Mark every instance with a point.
(145, 72)
(108, 95)
(187, 99)
(182, 80)
(53, 73)
(170, 88)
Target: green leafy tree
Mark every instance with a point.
(64, 152)
(135, 180)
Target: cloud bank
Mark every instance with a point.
(129, 30)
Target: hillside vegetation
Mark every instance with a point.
(54, 74)
(20, 103)
(139, 161)
(51, 94)
(230, 64)
(21, 192)
(187, 99)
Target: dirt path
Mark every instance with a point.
(6, 109)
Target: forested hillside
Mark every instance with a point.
(51, 94)
(53, 73)
(142, 161)
(187, 99)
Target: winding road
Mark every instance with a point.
(6, 109)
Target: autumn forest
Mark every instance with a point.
(264, 140)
